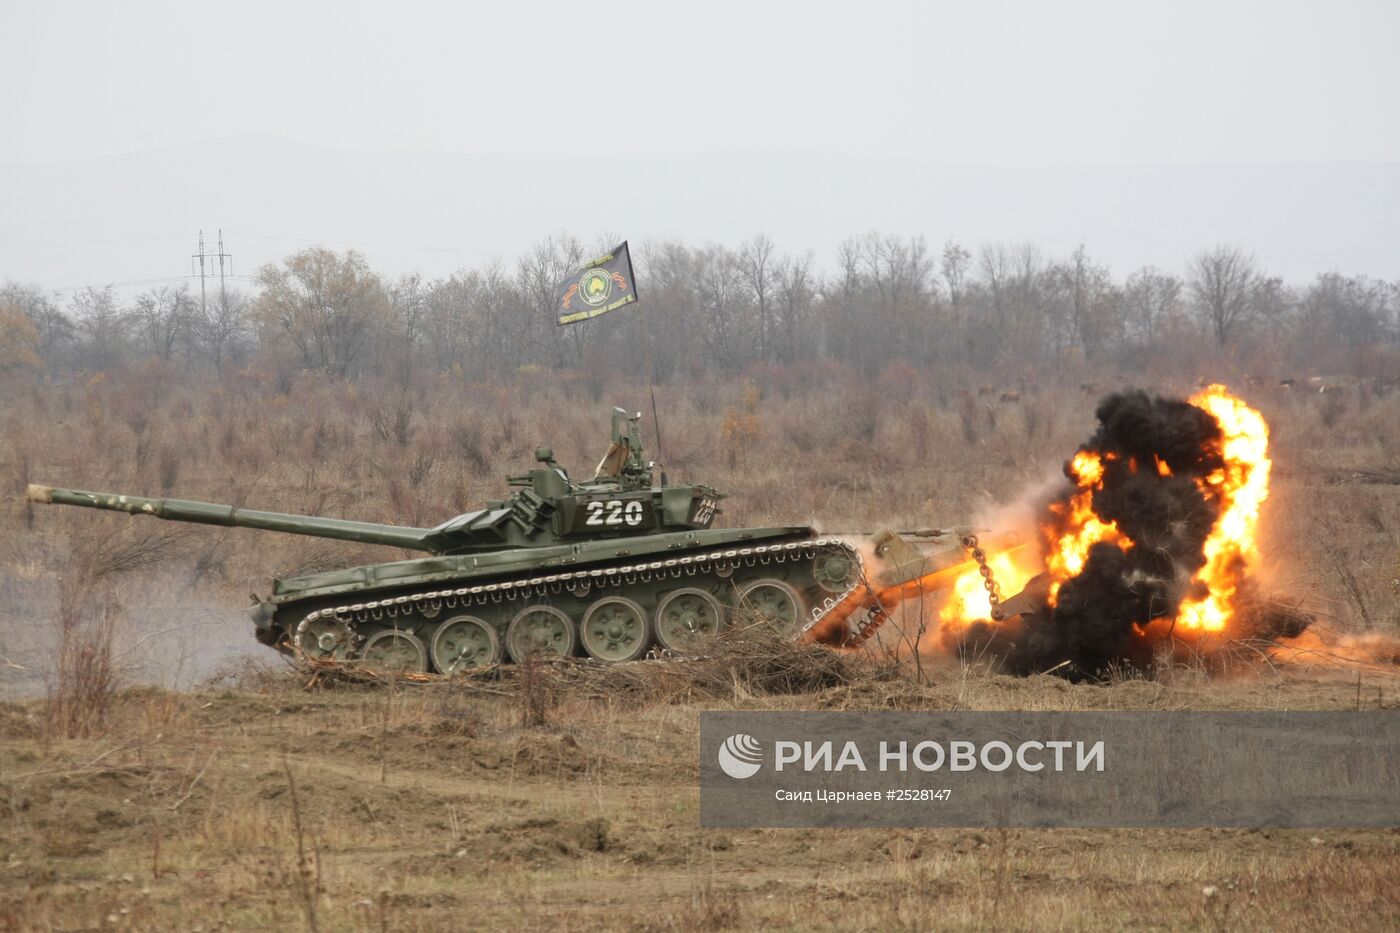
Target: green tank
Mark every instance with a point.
(610, 567)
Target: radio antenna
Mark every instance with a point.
(656, 420)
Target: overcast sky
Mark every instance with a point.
(972, 80)
(1138, 128)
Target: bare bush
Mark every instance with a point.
(84, 676)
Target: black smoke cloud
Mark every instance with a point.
(1100, 619)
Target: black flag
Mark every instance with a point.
(604, 285)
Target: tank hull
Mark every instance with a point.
(371, 578)
(614, 603)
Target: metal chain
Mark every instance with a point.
(988, 581)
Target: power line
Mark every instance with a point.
(74, 244)
(155, 281)
(134, 282)
(316, 241)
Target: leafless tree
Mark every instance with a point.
(327, 304)
(844, 309)
(164, 318)
(954, 265)
(1018, 287)
(103, 324)
(538, 275)
(401, 330)
(670, 321)
(996, 264)
(1348, 310)
(1150, 297)
(222, 332)
(1093, 311)
(1222, 283)
(54, 329)
(796, 290)
(756, 262)
(500, 331)
(1272, 302)
(445, 323)
(721, 303)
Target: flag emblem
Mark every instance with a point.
(604, 285)
(594, 287)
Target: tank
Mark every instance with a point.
(609, 567)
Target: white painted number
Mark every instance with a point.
(614, 512)
(704, 511)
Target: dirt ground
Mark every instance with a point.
(261, 804)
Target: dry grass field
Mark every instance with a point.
(262, 806)
(196, 784)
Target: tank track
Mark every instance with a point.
(850, 605)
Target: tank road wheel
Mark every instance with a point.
(542, 630)
(688, 620)
(615, 629)
(394, 651)
(325, 639)
(464, 643)
(834, 572)
(773, 603)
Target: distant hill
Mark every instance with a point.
(134, 217)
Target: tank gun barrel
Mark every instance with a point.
(208, 513)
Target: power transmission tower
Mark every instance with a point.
(201, 255)
(223, 296)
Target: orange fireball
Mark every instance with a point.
(1075, 527)
(1232, 549)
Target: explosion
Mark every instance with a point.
(1241, 487)
(968, 599)
(1152, 539)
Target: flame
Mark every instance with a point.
(1076, 526)
(968, 599)
(1232, 549)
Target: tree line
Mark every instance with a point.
(709, 309)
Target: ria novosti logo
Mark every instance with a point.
(740, 756)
